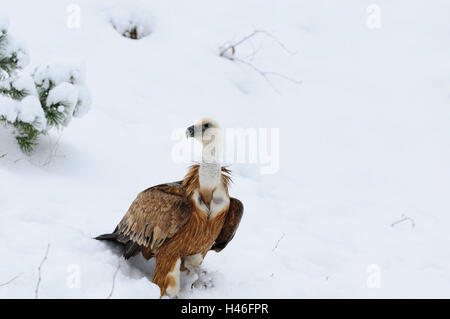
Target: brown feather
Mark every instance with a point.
(191, 180)
(165, 222)
(156, 215)
(231, 224)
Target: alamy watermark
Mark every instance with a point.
(374, 278)
(256, 146)
(73, 280)
(373, 20)
(73, 20)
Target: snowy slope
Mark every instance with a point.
(364, 139)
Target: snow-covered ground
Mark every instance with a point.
(363, 140)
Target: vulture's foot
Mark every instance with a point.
(204, 280)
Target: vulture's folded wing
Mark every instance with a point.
(230, 226)
(154, 217)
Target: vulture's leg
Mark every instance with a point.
(192, 262)
(167, 275)
(199, 278)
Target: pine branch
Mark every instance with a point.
(14, 93)
(9, 64)
(27, 136)
(54, 117)
(3, 36)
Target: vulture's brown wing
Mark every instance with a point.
(230, 226)
(155, 216)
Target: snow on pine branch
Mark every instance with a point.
(132, 22)
(62, 92)
(4, 23)
(32, 105)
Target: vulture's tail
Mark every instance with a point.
(130, 248)
(111, 237)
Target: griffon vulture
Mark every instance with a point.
(179, 222)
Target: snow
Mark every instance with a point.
(8, 108)
(27, 110)
(4, 23)
(25, 83)
(124, 20)
(67, 94)
(63, 92)
(363, 140)
(17, 48)
(30, 111)
(84, 101)
(58, 73)
(69, 88)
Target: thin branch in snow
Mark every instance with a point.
(266, 74)
(281, 44)
(3, 155)
(276, 246)
(11, 280)
(228, 51)
(36, 291)
(53, 148)
(404, 218)
(232, 46)
(114, 279)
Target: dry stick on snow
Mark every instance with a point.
(3, 155)
(404, 218)
(276, 246)
(52, 153)
(36, 291)
(231, 47)
(114, 279)
(11, 280)
(265, 74)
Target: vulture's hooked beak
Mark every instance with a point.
(190, 131)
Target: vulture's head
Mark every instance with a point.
(204, 131)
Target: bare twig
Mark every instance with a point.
(276, 246)
(114, 279)
(404, 218)
(3, 155)
(232, 46)
(36, 291)
(11, 280)
(52, 153)
(228, 51)
(266, 74)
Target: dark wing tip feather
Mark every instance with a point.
(131, 249)
(112, 237)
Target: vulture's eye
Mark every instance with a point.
(205, 126)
